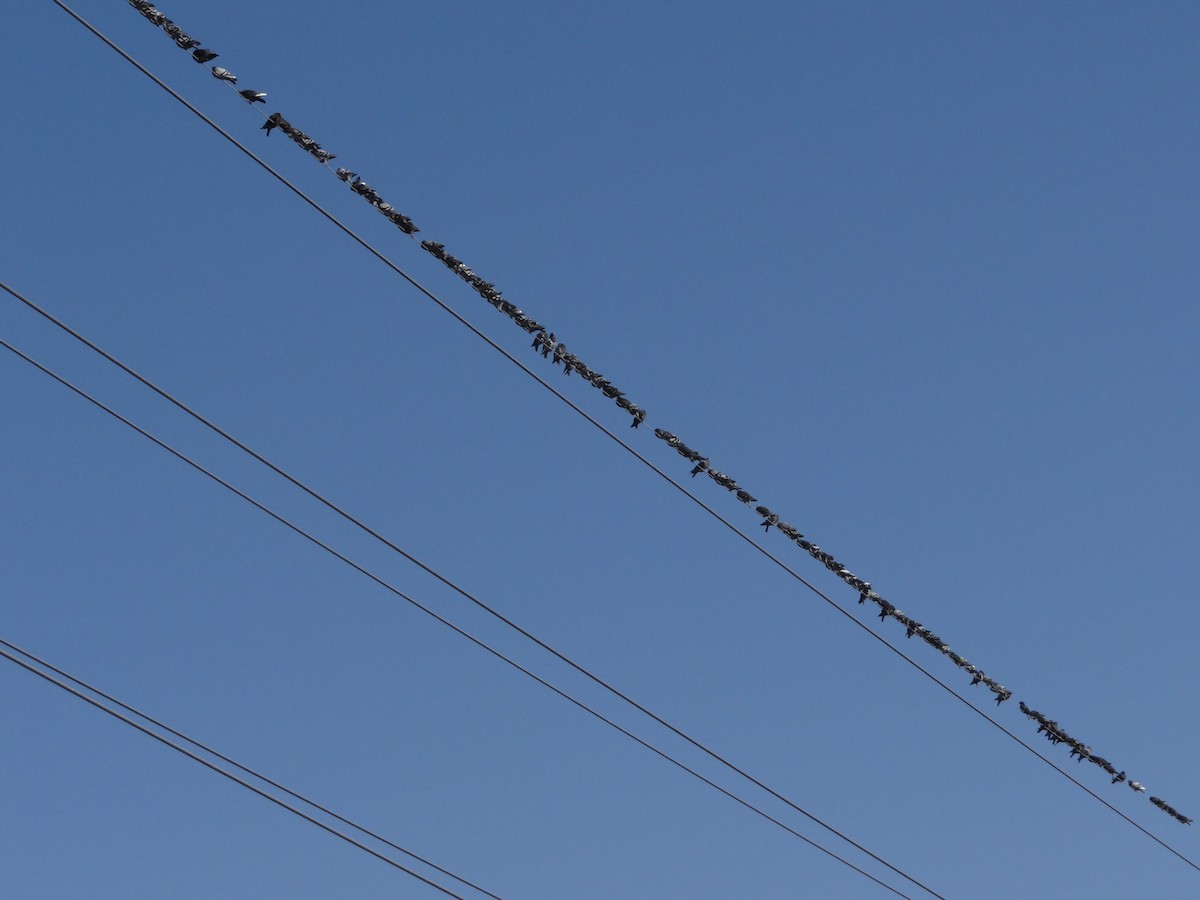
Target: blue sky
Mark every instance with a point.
(921, 278)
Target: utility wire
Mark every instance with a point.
(494, 613)
(233, 762)
(220, 771)
(712, 512)
(429, 612)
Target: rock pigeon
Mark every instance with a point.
(224, 75)
(201, 55)
(253, 96)
(275, 120)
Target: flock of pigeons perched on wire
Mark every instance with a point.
(551, 348)
(865, 591)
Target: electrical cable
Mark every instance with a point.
(230, 775)
(249, 771)
(730, 526)
(494, 613)
(429, 612)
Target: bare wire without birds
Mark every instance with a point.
(287, 523)
(266, 795)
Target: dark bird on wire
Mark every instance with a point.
(224, 75)
(253, 96)
(275, 120)
(201, 55)
(1120, 776)
(324, 155)
(180, 37)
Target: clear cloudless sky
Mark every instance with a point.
(922, 277)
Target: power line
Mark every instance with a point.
(391, 545)
(729, 525)
(460, 631)
(225, 772)
(249, 771)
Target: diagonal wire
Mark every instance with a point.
(494, 613)
(429, 612)
(712, 512)
(233, 762)
(220, 771)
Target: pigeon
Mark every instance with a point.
(700, 466)
(639, 416)
(253, 96)
(153, 15)
(347, 175)
(224, 75)
(275, 120)
(1120, 776)
(323, 155)
(180, 37)
(404, 223)
(1138, 786)
(611, 392)
(201, 55)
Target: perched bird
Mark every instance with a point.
(253, 96)
(201, 55)
(224, 75)
(1120, 776)
(323, 155)
(347, 175)
(769, 520)
(180, 37)
(1138, 786)
(700, 466)
(639, 416)
(275, 120)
